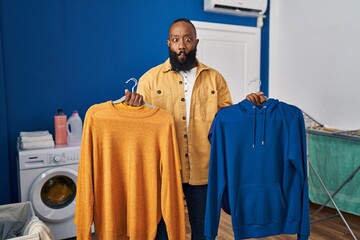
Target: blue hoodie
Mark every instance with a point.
(258, 171)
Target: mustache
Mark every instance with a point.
(186, 65)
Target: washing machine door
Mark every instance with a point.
(53, 194)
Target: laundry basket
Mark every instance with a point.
(18, 222)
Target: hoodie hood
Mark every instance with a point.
(258, 113)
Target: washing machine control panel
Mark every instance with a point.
(61, 158)
(29, 159)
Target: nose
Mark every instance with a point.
(181, 44)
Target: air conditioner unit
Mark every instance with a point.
(252, 8)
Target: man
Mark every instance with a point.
(193, 93)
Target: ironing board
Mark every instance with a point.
(330, 196)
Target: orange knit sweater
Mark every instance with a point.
(129, 174)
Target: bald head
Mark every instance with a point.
(185, 20)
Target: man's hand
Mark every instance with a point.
(257, 98)
(133, 99)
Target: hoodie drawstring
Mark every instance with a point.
(264, 125)
(254, 126)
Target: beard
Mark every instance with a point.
(186, 65)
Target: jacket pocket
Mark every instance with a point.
(206, 104)
(162, 97)
(259, 204)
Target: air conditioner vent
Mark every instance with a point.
(218, 6)
(250, 8)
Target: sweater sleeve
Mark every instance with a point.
(298, 157)
(216, 182)
(84, 192)
(172, 202)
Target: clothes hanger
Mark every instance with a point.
(258, 86)
(254, 81)
(122, 99)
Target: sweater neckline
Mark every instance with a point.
(133, 112)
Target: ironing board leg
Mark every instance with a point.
(342, 185)
(331, 198)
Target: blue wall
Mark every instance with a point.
(72, 54)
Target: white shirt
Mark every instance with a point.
(189, 80)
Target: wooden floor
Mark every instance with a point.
(331, 229)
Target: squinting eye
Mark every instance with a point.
(188, 39)
(175, 40)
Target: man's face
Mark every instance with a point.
(182, 46)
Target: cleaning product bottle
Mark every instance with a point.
(60, 128)
(74, 129)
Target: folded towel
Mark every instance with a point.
(34, 133)
(35, 140)
(47, 137)
(35, 145)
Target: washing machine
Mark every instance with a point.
(47, 178)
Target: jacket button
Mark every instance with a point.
(212, 92)
(186, 155)
(183, 99)
(183, 117)
(158, 91)
(180, 82)
(185, 136)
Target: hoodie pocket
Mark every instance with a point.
(259, 204)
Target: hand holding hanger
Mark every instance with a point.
(132, 98)
(258, 97)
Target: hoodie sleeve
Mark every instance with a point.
(217, 180)
(84, 191)
(298, 156)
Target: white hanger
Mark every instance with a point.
(258, 82)
(122, 99)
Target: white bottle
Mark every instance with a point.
(74, 129)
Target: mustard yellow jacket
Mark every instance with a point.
(164, 88)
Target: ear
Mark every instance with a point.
(197, 42)
(168, 43)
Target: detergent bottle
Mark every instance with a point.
(60, 128)
(74, 129)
